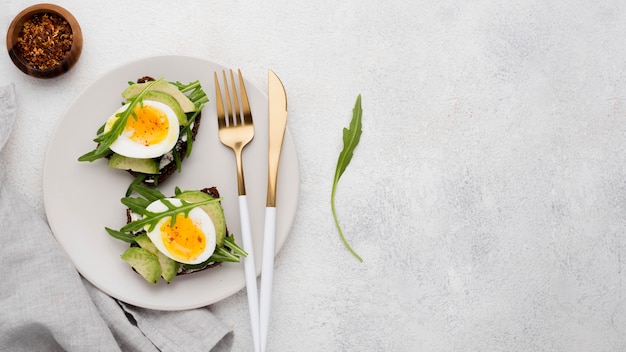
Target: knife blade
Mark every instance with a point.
(277, 121)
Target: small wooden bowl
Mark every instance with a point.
(15, 51)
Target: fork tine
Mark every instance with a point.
(229, 116)
(237, 112)
(220, 103)
(247, 115)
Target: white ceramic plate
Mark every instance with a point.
(82, 198)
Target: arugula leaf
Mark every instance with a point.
(228, 253)
(105, 139)
(151, 219)
(198, 98)
(136, 181)
(197, 95)
(189, 131)
(120, 235)
(136, 205)
(177, 159)
(151, 194)
(139, 205)
(351, 139)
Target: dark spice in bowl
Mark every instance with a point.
(45, 40)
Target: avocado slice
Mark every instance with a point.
(213, 209)
(162, 86)
(144, 263)
(146, 166)
(169, 267)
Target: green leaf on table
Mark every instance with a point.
(351, 137)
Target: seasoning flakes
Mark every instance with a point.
(45, 40)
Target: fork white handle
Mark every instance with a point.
(267, 272)
(250, 270)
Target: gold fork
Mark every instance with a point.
(236, 130)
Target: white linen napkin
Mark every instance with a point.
(45, 305)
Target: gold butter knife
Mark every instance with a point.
(277, 121)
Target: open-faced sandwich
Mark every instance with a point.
(153, 131)
(171, 236)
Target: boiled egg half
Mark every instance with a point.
(150, 132)
(190, 240)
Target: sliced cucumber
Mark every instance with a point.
(146, 166)
(214, 209)
(185, 103)
(144, 263)
(169, 267)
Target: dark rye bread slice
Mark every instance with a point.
(213, 192)
(168, 168)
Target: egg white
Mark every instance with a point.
(199, 217)
(125, 146)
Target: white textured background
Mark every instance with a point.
(487, 195)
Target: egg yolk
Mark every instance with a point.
(150, 126)
(185, 241)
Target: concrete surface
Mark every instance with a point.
(487, 196)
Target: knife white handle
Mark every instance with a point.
(267, 272)
(250, 271)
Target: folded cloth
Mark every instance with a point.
(7, 112)
(47, 306)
